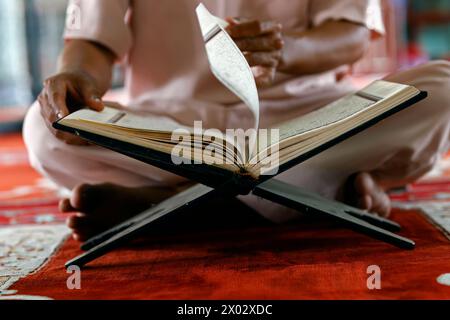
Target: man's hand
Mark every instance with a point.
(65, 93)
(261, 43)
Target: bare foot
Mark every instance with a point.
(363, 191)
(102, 206)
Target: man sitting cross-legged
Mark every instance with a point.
(167, 73)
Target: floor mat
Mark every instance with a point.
(31, 227)
(430, 195)
(24, 249)
(25, 196)
(313, 260)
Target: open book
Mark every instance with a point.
(253, 152)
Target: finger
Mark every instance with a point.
(92, 98)
(264, 76)
(45, 109)
(113, 104)
(58, 102)
(50, 117)
(47, 112)
(55, 92)
(95, 102)
(88, 95)
(270, 42)
(238, 28)
(267, 59)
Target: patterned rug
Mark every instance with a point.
(31, 227)
(430, 195)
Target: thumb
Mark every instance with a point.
(232, 21)
(95, 102)
(92, 99)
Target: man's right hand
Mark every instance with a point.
(65, 93)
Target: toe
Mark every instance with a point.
(82, 197)
(80, 237)
(82, 227)
(364, 184)
(372, 197)
(363, 187)
(368, 187)
(382, 205)
(77, 221)
(365, 202)
(82, 222)
(65, 206)
(85, 234)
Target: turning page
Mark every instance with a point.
(227, 62)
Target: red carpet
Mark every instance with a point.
(25, 198)
(308, 261)
(312, 260)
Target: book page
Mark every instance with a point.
(138, 125)
(125, 119)
(384, 89)
(341, 109)
(227, 62)
(336, 111)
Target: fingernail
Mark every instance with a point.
(59, 115)
(96, 99)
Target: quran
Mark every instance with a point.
(234, 152)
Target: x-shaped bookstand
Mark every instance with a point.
(273, 190)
